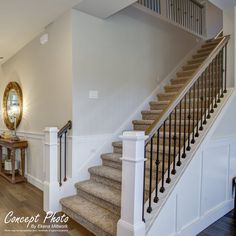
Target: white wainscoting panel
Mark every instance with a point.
(203, 194)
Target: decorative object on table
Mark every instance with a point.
(6, 135)
(8, 166)
(13, 107)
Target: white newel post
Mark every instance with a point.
(51, 186)
(131, 223)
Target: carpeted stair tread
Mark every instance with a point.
(106, 172)
(99, 190)
(112, 157)
(93, 217)
(142, 122)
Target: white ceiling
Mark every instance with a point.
(22, 20)
(224, 3)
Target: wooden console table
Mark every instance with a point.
(12, 146)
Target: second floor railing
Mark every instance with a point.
(187, 13)
(154, 5)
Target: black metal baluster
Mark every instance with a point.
(60, 182)
(180, 128)
(157, 167)
(193, 127)
(168, 180)
(212, 86)
(65, 161)
(216, 80)
(222, 73)
(209, 92)
(219, 76)
(189, 118)
(205, 97)
(225, 90)
(162, 189)
(198, 100)
(180, 121)
(173, 172)
(202, 99)
(149, 209)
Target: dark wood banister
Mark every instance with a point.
(175, 101)
(65, 128)
(63, 131)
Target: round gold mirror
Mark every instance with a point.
(12, 105)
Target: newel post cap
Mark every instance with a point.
(51, 130)
(134, 136)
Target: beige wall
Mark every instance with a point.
(214, 20)
(229, 20)
(124, 58)
(44, 73)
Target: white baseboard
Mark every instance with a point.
(34, 181)
(207, 219)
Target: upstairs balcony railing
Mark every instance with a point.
(189, 14)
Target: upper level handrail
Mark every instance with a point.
(65, 128)
(63, 131)
(219, 34)
(175, 101)
(197, 3)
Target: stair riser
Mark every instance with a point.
(165, 97)
(195, 61)
(150, 116)
(172, 89)
(109, 206)
(202, 55)
(86, 224)
(190, 67)
(210, 44)
(140, 127)
(117, 150)
(108, 182)
(180, 81)
(207, 49)
(185, 73)
(157, 107)
(112, 164)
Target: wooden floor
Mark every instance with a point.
(26, 200)
(226, 226)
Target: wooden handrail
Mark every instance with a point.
(65, 128)
(176, 100)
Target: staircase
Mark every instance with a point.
(97, 204)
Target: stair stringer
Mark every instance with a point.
(169, 197)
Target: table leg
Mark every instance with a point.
(13, 158)
(23, 162)
(8, 153)
(0, 158)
